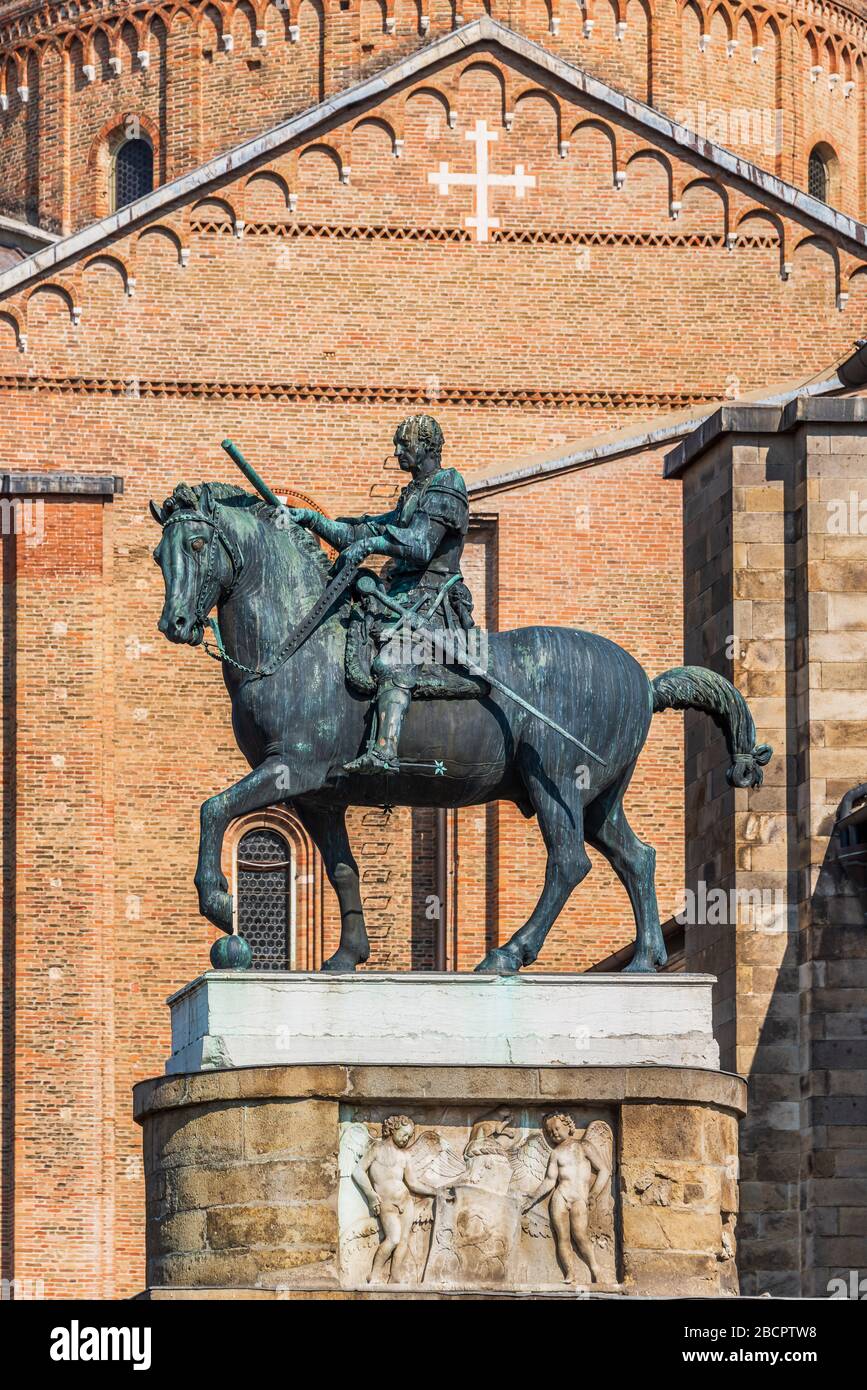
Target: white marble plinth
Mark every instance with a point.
(233, 1018)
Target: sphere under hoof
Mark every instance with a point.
(231, 953)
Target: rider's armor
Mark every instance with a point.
(429, 523)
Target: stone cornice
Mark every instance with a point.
(765, 419)
(60, 484)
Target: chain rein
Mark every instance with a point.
(298, 632)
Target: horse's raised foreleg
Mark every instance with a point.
(327, 830)
(634, 863)
(260, 788)
(563, 832)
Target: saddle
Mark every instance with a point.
(434, 682)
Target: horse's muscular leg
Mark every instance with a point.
(562, 830)
(260, 788)
(634, 863)
(327, 829)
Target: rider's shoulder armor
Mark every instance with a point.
(445, 499)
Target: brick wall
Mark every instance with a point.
(306, 339)
(770, 89)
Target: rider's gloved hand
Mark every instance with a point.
(353, 554)
(280, 515)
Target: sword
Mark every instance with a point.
(367, 585)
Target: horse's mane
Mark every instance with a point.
(231, 496)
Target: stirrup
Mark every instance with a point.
(372, 760)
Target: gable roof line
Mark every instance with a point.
(478, 30)
(624, 442)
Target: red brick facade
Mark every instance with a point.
(302, 302)
(771, 82)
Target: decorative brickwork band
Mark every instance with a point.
(537, 236)
(354, 393)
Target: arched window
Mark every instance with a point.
(133, 172)
(818, 174)
(264, 897)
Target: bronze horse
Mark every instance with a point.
(298, 721)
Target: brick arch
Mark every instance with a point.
(115, 262)
(57, 291)
(714, 186)
(260, 182)
(759, 215)
(593, 123)
(548, 100)
(379, 123)
(657, 157)
(747, 16)
(818, 140)
(182, 15)
(15, 321)
(322, 147)
(822, 244)
(309, 882)
(483, 65)
(104, 147)
(161, 231)
(224, 204)
(429, 91)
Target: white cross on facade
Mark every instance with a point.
(482, 180)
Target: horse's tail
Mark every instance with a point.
(695, 687)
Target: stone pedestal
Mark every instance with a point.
(457, 1101)
(238, 1019)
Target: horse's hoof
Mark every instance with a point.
(639, 965)
(231, 953)
(503, 960)
(217, 907)
(338, 965)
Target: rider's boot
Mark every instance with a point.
(380, 755)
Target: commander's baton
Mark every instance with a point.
(250, 473)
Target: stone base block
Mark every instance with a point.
(491, 1181)
(238, 1019)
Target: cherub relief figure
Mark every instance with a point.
(578, 1172)
(390, 1174)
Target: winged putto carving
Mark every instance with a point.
(510, 1202)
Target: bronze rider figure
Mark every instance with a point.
(424, 537)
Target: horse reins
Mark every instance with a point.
(299, 633)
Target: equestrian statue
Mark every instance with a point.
(352, 688)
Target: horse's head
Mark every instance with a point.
(198, 556)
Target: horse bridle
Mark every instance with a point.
(299, 633)
(218, 537)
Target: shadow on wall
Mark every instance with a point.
(836, 1211)
(844, 870)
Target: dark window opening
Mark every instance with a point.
(817, 177)
(263, 889)
(133, 172)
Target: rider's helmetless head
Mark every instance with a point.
(418, 444)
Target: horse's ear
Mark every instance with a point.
(156, 513)
(206, 500)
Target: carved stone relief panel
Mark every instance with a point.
(457, 1196)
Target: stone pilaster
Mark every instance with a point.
(775, 586)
